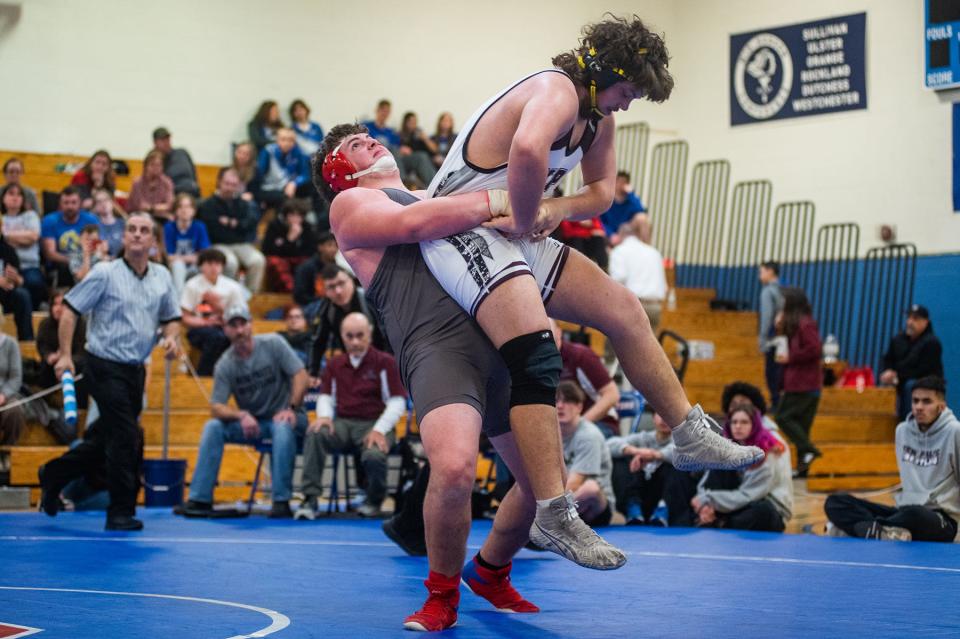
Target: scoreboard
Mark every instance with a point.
(942, 39)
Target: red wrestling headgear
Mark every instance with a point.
(338, 171)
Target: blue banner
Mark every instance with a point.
(798, 70)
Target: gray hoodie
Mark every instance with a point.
(929, 464)
(773, 480)
(643, 439)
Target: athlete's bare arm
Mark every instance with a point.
(549, 111)
(367, 218)
(599, 168)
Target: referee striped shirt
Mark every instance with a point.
(124, 309)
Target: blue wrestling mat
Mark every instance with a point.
(218, 579)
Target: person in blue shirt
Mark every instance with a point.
(60, 234)
(184, 237)
(625, 205)
(309, 133)
(379, 130)
(283, 172)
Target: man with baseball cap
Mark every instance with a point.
(912, 354)
(177, 163)
(267, 380)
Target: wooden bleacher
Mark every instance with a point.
(41, 171)
(854, 430)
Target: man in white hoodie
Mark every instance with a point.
(928, 456)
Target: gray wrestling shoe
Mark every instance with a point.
(700, 445)
(558, 528)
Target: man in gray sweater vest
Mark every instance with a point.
(928, 456)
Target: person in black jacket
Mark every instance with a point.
(912, 354)
(288, 243)
(230, 221)
(307, 283)
(342, 297)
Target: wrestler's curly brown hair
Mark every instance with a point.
(618, 42)
(330, 142)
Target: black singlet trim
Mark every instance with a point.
(561, 143)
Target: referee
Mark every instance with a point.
(126, 299)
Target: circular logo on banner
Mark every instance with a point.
(763, 76)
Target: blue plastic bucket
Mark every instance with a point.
(163, 481)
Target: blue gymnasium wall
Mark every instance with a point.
(937, 287)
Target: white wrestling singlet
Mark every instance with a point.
(470, 265)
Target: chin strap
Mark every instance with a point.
(595, 67)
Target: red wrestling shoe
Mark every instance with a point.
(440, 610)
(495, 587)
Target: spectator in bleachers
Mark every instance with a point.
(283, 171)
(97, 173)
(93, 250)
(744, 393)
(112, 220)
(625, 205)
(341, 297)
(307, 282)
(639, 266)
(184, 238)
(582, 366)
(245, 164)
(361, 399)
(14, 297)
(771, 303)
(262, 129)
(177, 163)
(587, 458)
(640, 467)
(267, 380)
(158, 254)
(229, 220)
(912, 354)
(417, 150)
(757, 498)
(205, 299)
(383, 132)
(60, 234)
(12, 420)
(152, 192)
(380, 130)
(21, 228)
(802, 375)
(48, 346)
(13, 174)
(443, 138)
(288, 243)
(927, 450)
(296, 333)
(587, 237)
(309, 133)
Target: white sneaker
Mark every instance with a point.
(558, 528)
(700, 445)
(307, 510)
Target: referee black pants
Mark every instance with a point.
(114, 445)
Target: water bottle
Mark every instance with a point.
(672, 300)
(69, 399)
(831, 350)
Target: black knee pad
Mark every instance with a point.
(534, 364)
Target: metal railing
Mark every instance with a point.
(631, 144)
(888, 279)
(706, 213)
(746, 241)
(668, 174)
(791, 239)
(830, 281)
